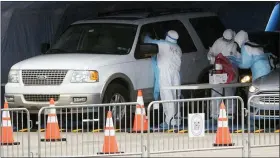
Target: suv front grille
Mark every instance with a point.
(269, 112)
(270, 99)
(43, 77)
(40, 97)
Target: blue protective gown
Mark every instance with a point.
(253, 58)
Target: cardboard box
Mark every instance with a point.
(217, 78)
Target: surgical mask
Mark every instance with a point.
(170, 39)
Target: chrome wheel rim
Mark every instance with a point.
(118, 112)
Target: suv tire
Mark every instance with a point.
(117, 93)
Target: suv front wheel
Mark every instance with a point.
(116, 93)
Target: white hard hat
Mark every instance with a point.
(172, 36)
(228, 34)
(241, 37)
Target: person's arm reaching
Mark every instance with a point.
(244, 62)
(148, 39)
(213, 52)
(211, 56)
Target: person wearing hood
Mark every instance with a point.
(224, 45)
(227, 47)
(168, 62)
(252, 56)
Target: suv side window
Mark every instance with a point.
(158, 31)
(209, 29)
(148, 28)
(185, 41)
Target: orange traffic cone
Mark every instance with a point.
(7, 129)
(52, 131)
(110, 144)
(223, 137)
(140, 115)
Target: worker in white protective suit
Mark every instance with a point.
(227, 47)
(252, 56)
(169, 65)
(224, 45)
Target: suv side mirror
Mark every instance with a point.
(45, 47)
(146, 50)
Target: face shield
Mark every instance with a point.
(172, 36)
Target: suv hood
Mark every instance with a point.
(71, 61)
(269, 82)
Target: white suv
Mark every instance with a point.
(103, 60)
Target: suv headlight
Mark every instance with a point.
(253, 89)
(245, 79)
(13, 76)
(84, 76)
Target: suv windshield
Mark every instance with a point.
(96, 38)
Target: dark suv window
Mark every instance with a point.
(158, 30)
(96, 38)
(268, 40)
(209, 29)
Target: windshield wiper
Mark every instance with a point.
(57, 51)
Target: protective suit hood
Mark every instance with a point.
(172, 36)
(228, 34)
(241, 38)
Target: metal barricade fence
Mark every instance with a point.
(82, 132)
(15, 142)
(263, 121)
(202, 131)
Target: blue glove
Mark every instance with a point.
(147, 39)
